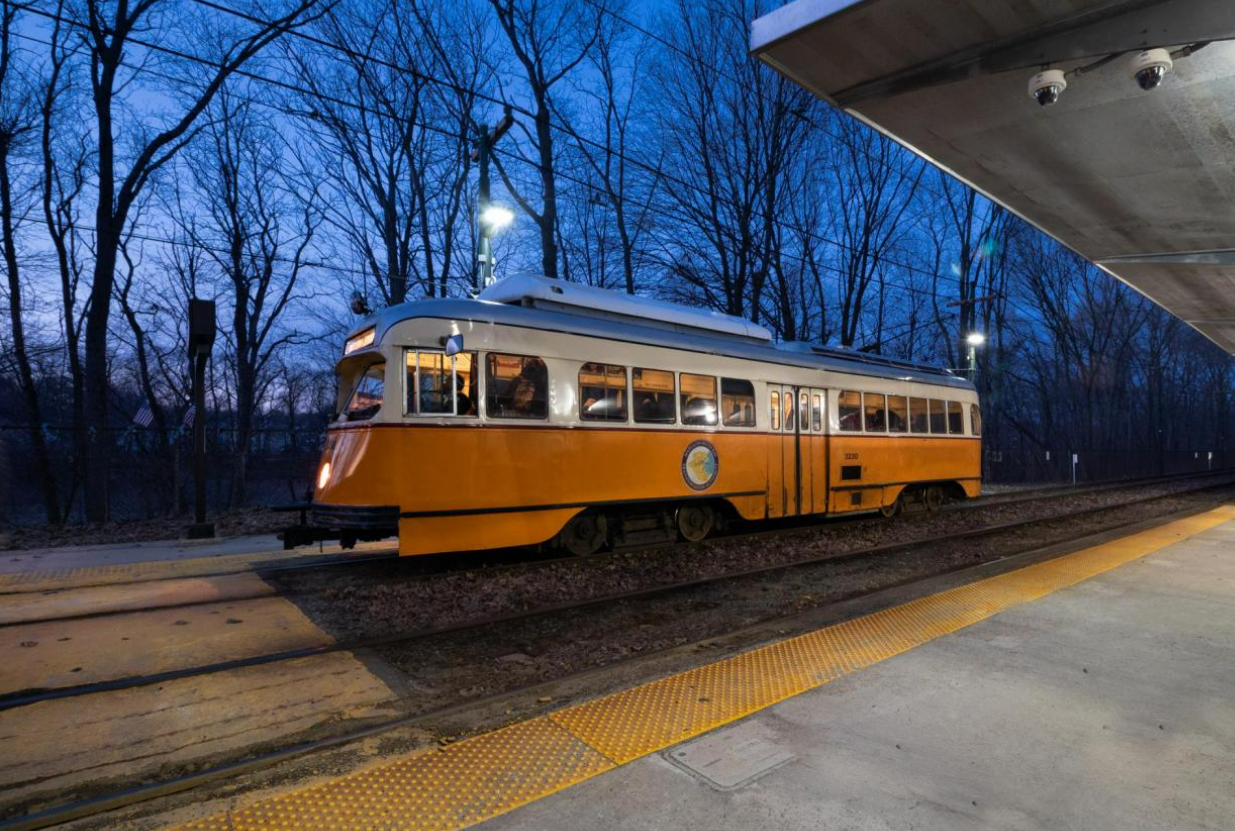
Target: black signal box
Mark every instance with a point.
(201, 327)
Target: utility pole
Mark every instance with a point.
(484, 231)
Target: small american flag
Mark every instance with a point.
(144, 417)
(188, 416)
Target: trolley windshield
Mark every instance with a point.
(367, 392)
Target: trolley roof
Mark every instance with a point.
(1142, 183)
(528, 289)
(525, 311)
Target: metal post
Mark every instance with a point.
(200, 527)
(484, 247)
(973, 363)
(484, 243)
(201, 341)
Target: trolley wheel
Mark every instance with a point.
(932, 498)
(892, 509)
(695, 521)
(585, 534)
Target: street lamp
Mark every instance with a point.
(974, 339)
(488, 217)
(496, 217)
(493, 218)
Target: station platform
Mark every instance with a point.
(1094, 690)
(55, 569)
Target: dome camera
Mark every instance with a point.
(1150, 67)
(1045, 86)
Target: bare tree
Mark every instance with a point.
(148, 356)
(368, 115)
(733, 132)
(549, 38)
(621, 190)
(258, 235)
(978, 230)
(66, 158)
(110, 30)
(18, 122)
(712, 247)
(873, 189)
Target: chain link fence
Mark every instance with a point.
(152, 473)
(1021, 466)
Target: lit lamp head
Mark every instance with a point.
(495, 218)
(975, 339)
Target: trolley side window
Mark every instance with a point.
(438, 385)
(774, 408)
(804, 411)
(698, 393)
(898, 414)
(939, 416)
(956, 417)
(975, 420)
(919, 417)
(602, 392)
(788, 407)
(849, 411)
(654, 394)
(816, 413)
(737, 402)
(516, 386)
(876, 412)
(366, 398)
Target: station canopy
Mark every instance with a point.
(1141, 183)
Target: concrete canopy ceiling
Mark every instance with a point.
(1141, 183)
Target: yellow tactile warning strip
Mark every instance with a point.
(473, 780)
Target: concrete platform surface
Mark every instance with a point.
(1088, 689)
(1106, 705)
(129, 553)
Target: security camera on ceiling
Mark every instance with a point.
(1045, 86)
(1150, 67)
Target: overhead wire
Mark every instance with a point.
(643, 164)
(314, 93)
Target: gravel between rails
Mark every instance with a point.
(367, 602)
(468, 664)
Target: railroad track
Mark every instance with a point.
(27, 697)
(1052, 491)
(132, 796)
(509, 559)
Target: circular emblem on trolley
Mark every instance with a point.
(700, 464)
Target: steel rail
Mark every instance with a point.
(494, 561)
(95, 806)
(22, 698)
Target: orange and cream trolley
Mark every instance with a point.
(550, 412)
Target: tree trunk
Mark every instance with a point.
(548, 184)
(25, 375)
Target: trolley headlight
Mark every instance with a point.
(323, 475)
